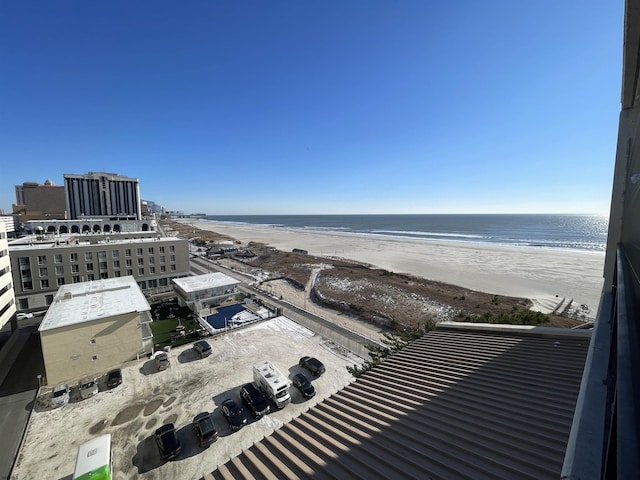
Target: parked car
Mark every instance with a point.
(312, 364)
(88, 387)
(162, 361)
(234, 414)
(202, 348)
(114, 378)
(255, 400)
(302, 383)
(60, 395)
(205, 429)
(167, 441)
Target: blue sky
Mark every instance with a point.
(271, 107)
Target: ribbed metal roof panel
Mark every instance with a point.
(453, 404)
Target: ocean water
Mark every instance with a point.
(578, 232)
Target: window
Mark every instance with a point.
(129, 272)
(143, 285)
(60, 281)
(129, 263)
(140, 262)
(73, 257)
(24, 303)
(163, 268)
(115, 254)
(163, 282)
(117, 273)
(141, 271)
(75, 269)
(153, 283)
(43, 271)
(42, 259)
(173, 268)
(152, 260)
(172, 248)
(27, 285)
(161, 249)
(91, 277)
(88, 256)
(44, 283)
(150, 250)
(172, 258)
(57, 258)
(59, 270)
(104, 275)
(139, 252)
(162, 259)
(116, 264)
(48, 299)
(152, 270)
(89, 267)
(127, 252)
(75, 279)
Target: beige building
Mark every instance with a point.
(92, 327)
(201, 292)
(7, 299)
(42, 264)
(39, 202)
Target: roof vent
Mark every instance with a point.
(68, 295)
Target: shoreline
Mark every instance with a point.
(546, 276)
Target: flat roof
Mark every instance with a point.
(69, 241)
(84, 302)
(197, 283)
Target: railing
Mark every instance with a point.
(605, 436)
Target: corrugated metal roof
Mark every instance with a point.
(453, 404)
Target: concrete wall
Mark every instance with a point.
(69, 352)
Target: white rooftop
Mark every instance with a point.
(84, 302)
(197, 283)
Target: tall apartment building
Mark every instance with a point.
(42, 264)
(102, 194)
(36, 201)
(7, 300)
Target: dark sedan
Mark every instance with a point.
(312, 364)
(167, 441)
(114, 378)
(302, 383)
(234, 414)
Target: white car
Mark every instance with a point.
(60, 395)
(88, 387)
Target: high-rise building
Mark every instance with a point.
(7, 298)
(102, 194)
(35, 201)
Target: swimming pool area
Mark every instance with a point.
(224, 315)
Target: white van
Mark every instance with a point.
(94, 459)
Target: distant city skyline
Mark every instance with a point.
(296, 108)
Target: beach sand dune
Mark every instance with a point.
(551, 278)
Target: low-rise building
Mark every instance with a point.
(41, 264)
(91, 327)
(201, 292)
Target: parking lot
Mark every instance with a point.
(148, 399)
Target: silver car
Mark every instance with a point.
(60, 395)
(88, 387)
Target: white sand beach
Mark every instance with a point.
(546, 276)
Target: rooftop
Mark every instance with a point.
(33, 242)
(197, 283)
(84, 302)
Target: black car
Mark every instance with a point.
(302, 383)
(168, 442)
(202, 348)
(114, 378)
(312, 364)
(234, 414)
(205, 429)
(255, 400)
